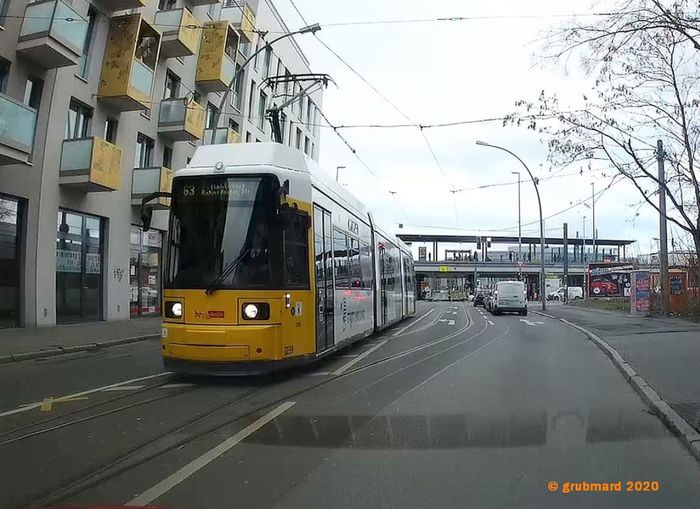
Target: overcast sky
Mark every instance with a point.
(453, 71)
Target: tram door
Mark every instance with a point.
(323, 262)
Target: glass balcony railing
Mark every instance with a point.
(145, 181)
(223, 135)
(17, 124)
(56, 19)
(92, 164)
(169, 21)
(141, 77)
(172, 111)
(227, 68)
(76, 155)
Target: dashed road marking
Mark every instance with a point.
(490, 322)
(174, 386)
(202, 461)
(357, 359)
(532, 324)
(124, 388)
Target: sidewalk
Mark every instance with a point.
(665, 352)
(35, 342)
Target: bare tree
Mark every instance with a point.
(645, 59)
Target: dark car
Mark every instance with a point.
(479, 299)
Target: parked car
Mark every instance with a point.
(479, 299)
(602, 288)
(575, 292)
(509, 296)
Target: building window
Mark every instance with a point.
(168, 157)
(4, 4)
(309, 112)
(166, 5)
(79, 120)
(236, 100)
(298, 138)
(287, 81)
(212, 10)
(78, 267)
(262, 107)
(32, 93)
(244, 48)
(295, 105)
(144, 272)
(302, 104)
(283, 126)
(248, 137)
(172, 85)
(85, 57)
(306, 145)
(4, 74)
(251, 98)
(111, 126)
(257, 48)
(234, 125)
(313, 149)
(268, 61)
(10, 260)
(144, 151)
(211, 115)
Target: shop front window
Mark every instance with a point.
(144, 272)
(78, 267)
(10, 229)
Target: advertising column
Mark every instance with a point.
(640, 283)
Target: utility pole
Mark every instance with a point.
(520, 232)
(663, 240)
(595, 233)
(583, 248)
(566, 261)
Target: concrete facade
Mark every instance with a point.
(38, 185)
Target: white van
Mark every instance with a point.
(509, 296)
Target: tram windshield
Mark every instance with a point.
(225, 233)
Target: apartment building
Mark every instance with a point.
(100, 100)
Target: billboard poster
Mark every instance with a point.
(609, 280)
(640, 294)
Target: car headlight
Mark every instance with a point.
(173, 309)
(250, 311)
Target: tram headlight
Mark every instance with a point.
(250, 311)
(173, 309)
(255, 311)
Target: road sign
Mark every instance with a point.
(443, 268)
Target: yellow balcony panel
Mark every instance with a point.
(241, 16)
(52, 34)
(223, 135)
(145, 181)
(17, 128)
(179, 121)
(91, 164)
(180, 32)
(217, 53)
(128, 68)
(119, 5)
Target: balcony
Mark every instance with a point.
(223, 135)
(195, 3)
(17, 127)
(241, 17)
(145, 181)
(215, 65)
(48, 37)
(91, 165)
(179, 122)
(180, 39)
(109, 6)
(129, 64)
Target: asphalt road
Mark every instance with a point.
(452, 409)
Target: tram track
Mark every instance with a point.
(165, 442)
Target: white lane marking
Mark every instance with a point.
(490, 322)
(32, 406)
(454, 312)
(175, 386)
(347, 356)
(451, 322)
(357, 359)
(124, 388)
(532, 324)
(401, 331)
(197, 464)
(321, 373)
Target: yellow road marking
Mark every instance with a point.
(47, 403)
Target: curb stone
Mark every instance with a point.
(679, 426)
(61, 350)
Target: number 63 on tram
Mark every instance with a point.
(270, 263)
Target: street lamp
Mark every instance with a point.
(337, 172)
(312, 29)
(520, 232)
(539, 203)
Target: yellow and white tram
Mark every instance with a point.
(271, 263)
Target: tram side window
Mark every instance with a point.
(355, 270)
(407, 274)
(296, 258)
(366, 265)
(340, 263)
